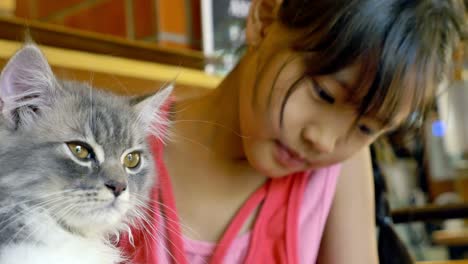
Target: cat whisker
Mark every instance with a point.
(63, 212)
(26, 214)
(212, 123)
(167, 220)
(173, 136)
(145, 214)
(38, 226)
(152, 232)
(30, 211)
(124, 87)
(40, 196)
(149, 219)
(143, 223)
(91, 116)
(184, 227)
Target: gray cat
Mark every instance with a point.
(75, 167)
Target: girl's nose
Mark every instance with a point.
(319, 140)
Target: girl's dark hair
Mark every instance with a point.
(404, 47)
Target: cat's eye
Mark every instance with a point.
(132, 160)
(80, 150)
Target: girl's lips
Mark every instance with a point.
(287, 157)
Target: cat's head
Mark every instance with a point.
(79, 153)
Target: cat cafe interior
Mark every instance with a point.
(124, 44)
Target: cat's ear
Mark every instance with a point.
(26, 86)
(150, 111)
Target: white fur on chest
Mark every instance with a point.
(58, 247)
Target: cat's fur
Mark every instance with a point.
(54, 207)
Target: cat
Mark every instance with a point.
(75, 166)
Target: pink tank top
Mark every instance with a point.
(313, 214)
(288, 228)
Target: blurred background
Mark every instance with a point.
(133, 46)
(214, 27)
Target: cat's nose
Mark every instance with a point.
(116, 187)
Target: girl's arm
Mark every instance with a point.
(350, 235)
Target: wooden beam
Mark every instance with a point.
(444, 262)
(111, 65)
(450, 237)
(430, 213)
(62, 37)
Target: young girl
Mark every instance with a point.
(273, 166)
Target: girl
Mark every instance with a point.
(273, 166)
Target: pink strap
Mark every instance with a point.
(292, 234)
(174, 234)
(275, 234)
(237, 223)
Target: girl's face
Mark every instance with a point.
(293, 122)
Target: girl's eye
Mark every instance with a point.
(80, 150)
(366, 130)
(322, 93)
(132, 160)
